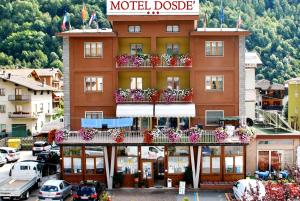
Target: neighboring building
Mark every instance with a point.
(269, 96)
(25, 104)
(252, 61)
(294, 103)
(92, 75)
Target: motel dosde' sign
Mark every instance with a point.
(152, 7)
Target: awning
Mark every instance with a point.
(134, 110)
(110, 123)
(175, 110)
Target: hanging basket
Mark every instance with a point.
(148, 138)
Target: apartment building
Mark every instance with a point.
(25, 104)
(153, 71)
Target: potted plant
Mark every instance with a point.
(87, 134)
(154, 60)
(122, 60)
(117, 179)
(136, 179)
(188, 176)
(187, 95)
(173, 60)
(117, 135)
(220, 134)
(148, 137)
(142, 183)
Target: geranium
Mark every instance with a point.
(187, 94)
(117, 135)
(121, 95)
(174, 136)
(185, 60)
(151, 94)
(154, 60)
(194, 135)
(122, 59)
(169, 95)
(173, 61)
(220, 134)
(87, 134)
(137, 60)
(137, 95)
(245, 133)
(59, 136)
(148, 137)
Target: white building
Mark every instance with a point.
(25, 104)
(252, 61)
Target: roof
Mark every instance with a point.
(52, 182)
(26, 82)
(219, 31)
(47, 71)
(276, 86)
(294, 80)
(55, 124)
(104, 32)
(262, 84)
(252, 58)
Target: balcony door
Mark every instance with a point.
(136, 49)
(18, 94)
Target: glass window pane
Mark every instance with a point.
(91, 151)
(147, 169)
(263, 160)
(239, 164)
(287, 158)
(152, 152)
(276, 160)
(229, 164)
(127, 165)
(77, 165)
(175, 28)
(99, 165)
(87, 49)
(220, 82)
(99, 50)
(100, 83)
(220, 48)
(139, 83)
(233, 150)
(213, 117)
(67, 165)
(213, 48)
(93, 49)
(207, 82)
(211, 150)
(207, 48)
(215, 161)
(162, 122)
(137, 28)
(72, 150)
(206, 164)
(89, 165)
(184, 123)
(178, 151)
(127, 151)
(145, 123)
(177, 164)
(130, 28)
(169, 28)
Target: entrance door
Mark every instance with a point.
(159, 172)
(147, 172)
(19, 130)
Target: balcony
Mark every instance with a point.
(19, 98)
(22, 115)
(272, 107)
(151, 61)
(137, 137)
(153, 96)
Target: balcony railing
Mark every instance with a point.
(149, 61)
(153, 96)
(137, 137)
(21, 115)
(19, 98)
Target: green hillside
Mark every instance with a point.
(27, 30)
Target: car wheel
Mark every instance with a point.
(26, 196)
(1, 164)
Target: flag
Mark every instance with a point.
(204, 21)
(222, 14)
(239, 22)
(93, 17)
(83, 13)
(65, 20)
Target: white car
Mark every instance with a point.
(55, 190)
(2, 159)
(242, 189)
(10, 154)
(40, 146)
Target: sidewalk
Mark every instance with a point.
(153, 194)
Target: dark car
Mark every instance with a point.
(88, 190)
(49, 161)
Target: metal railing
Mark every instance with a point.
(137, 137)
(19, 98)
(22, 115)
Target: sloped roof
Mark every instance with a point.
(55, 124)
(252, 58)
(276, 86)
(294, 80)
(47, 71)
(262, 84)
(26, 82)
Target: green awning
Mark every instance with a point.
(230, 119)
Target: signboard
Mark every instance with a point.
(181, 188)
(152, 7)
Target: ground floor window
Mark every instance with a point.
(72, 159)
(234, 159)
(274, 160)
(127, 159)
(178, 159)
(211, 159)
(94, 160)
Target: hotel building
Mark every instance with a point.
(101, 65)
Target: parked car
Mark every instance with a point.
(88, 190)
(55, 149)
(49, 161)
(243, 188)
(2, 159)
(10, 154)
(55, 190)
(40, 146)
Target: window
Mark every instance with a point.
(136, 49)
(136, 83)
(214, 82)
(36, 108)
(211, 161)
(152, 152)
(134, 28)
(93, 84)
(141, 123)
(18, 91)
(214, 48)
(173, 83)
(19, 108)
(94, 115)
(172, 49)
(2, 108)
(72, 159)
(178, 159)
(170, 122)
(213, 117)
(94, 159)
(93, 49)
(234, 159)
(172, 28)
(48, 108)
(127, 161)
(2, 128)
(2, 92)
(274, 160)
(41, 107)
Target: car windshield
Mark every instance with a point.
(48, 188)
(11, 151)
(86, 190)
(38, 145)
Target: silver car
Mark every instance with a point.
(55, 190)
